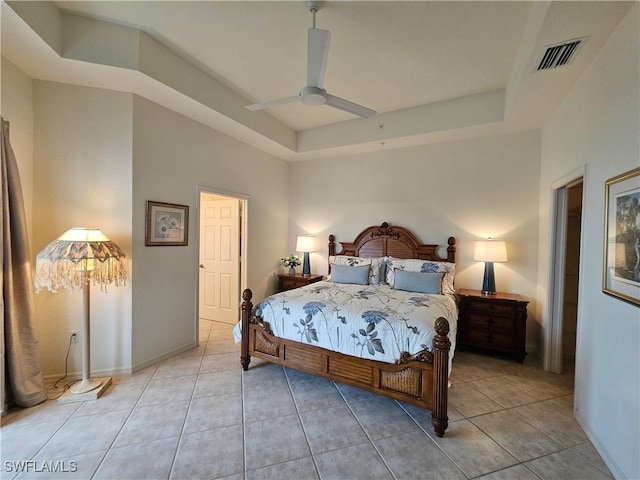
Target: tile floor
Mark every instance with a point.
(197, 416)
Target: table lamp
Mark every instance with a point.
(75, 260)
(305, 244)
(489, 251)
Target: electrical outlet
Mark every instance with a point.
(74, 335)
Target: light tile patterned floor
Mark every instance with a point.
(197, 416)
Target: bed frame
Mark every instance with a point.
(420, 379)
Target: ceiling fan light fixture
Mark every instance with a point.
(313, 96)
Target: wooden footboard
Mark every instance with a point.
(420, 379)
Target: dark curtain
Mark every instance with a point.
(23, 384)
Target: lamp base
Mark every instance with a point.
(306, 266)
(489, 281)
(85, 386)
(93, 394)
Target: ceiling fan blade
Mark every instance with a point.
(317, 53)
(348, 106)
(272, 103)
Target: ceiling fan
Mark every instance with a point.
(314, 93)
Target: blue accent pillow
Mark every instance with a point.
(418, 282)
(347, 274)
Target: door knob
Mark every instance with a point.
(201, 266)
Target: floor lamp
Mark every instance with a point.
(76, 259)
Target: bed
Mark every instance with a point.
(360, 331)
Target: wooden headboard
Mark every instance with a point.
(398, 242)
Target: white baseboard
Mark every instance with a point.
(115, 372)
(164, 356)
(599, 446)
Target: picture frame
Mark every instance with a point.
(621, 266)
(167, 224)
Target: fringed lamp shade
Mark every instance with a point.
(79, 256)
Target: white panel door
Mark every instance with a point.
(219, 259)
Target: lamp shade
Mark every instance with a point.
(79, 256)
(305, 243)
(490, 251)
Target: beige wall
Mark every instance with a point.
(172, 156)
(17, 108)
(597, 128)
(82, 178)
(471, 189)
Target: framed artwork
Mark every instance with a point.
(167, 224)
(621, 275)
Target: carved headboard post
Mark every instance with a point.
(451, 250)
(332, 249)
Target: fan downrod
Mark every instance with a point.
(314, 6)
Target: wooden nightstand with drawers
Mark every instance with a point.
(495, 323)
(288, 282)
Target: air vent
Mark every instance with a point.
(560, 54)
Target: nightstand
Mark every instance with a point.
(495, 323)
(288, 282)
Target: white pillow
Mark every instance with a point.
(374, 271)
(424, 266)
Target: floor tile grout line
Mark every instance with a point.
(66, 421)
(587, 441)
(434, 442)
(501, 377)
(347, 404)
(124, 423)
(184, 420)
(562, 447)
(469, 418)
(304, 430)
(299, 419)
(532, 425)
(365, 431)
(506, 468)
(567, 449)
(48, 440)
(525, 421)
(483, 394)
(538, 400)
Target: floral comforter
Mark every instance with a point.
(367, 321)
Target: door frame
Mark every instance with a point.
(244, 241)
(553, 359)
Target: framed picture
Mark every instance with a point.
(621, 275)
(167, 224)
